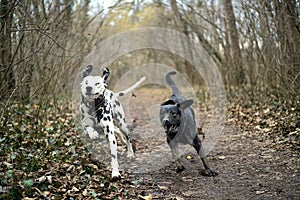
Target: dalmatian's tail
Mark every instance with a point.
(131, 88)
(171, 82)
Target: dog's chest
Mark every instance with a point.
(95, 111)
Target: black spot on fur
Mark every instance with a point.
(113, 156)
(108, 118)
(127, 137)
(99, 102)
(107, 129)
(120, 115)
(99, 115)
(114, 142)
(121, 94)
(104, 118)
(111, 95)
(118, 103)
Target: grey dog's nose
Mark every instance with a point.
(88, 89)
(166, 122)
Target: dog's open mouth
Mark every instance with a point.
(91, 96)
(171, 127)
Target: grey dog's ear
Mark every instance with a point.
(87, 70)
(168, 102)
(184, 104)
(105, 73)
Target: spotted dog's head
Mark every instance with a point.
(170, 114)
(93, 86)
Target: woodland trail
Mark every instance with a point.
(249, 167)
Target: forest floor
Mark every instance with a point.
(257, 156)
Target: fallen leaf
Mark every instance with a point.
(221, 157)
(163, 187)
(46, 193)
(260, 192)
(75, 189)
(41, 179)
(49, 179)
(149, 197)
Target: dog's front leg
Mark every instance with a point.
(108, 129)
(175, 152)
(90, 132)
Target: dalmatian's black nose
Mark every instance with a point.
(88, 89)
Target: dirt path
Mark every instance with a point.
(248, 166)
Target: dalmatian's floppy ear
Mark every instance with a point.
(87, 70)
(184, 104)
(105, 73)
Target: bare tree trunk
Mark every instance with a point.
(292, 8)
(7, 83)
(289, 33)
(233, 42)
(181, 26)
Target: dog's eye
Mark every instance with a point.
(86, 82)
(173, 113)
(97, 84)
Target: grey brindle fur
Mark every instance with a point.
(102, 112)
(178, 119)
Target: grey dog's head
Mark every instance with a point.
(170, 114)
(93, 86)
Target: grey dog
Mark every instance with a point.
(178, 119)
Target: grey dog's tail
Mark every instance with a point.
(171, 83)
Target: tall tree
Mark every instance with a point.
(7, 81)
(233, 43)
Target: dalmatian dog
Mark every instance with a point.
(178, 120)
(102, 112)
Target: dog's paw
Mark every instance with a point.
(130, 155)
(208, 172)
(115, 178)
(115, 175)
(179, 169)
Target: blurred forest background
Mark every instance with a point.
(255, 43)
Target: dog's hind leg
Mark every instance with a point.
(120, 135)
(197, 145)
(125, 131)
(119, 117)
